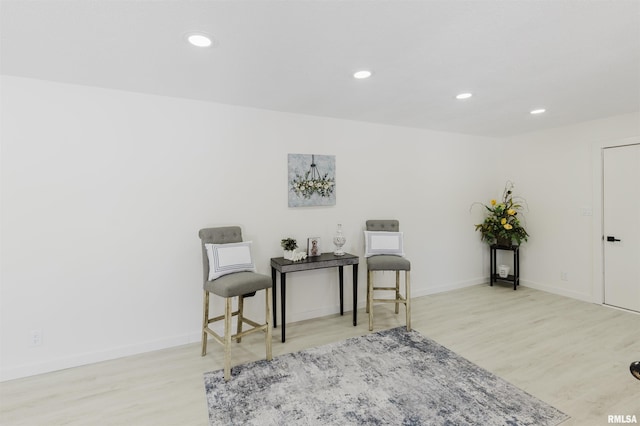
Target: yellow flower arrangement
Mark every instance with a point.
(502, 224)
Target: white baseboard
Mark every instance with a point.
(32, 369)
(449, 287)
(317, 313)
(555, 290)
(48, 366)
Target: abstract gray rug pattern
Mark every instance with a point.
(391, 377)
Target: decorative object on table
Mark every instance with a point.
(503, 271)
(339, 240)
(503, 225)
(298, 256)
(312, 180)
(429, 385)
(313, 246)
(635, 369)
(288, 245)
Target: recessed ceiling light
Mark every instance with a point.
(464, 95)
(362, 74)
(199, 39)
(537, 111)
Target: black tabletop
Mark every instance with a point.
(325, 260)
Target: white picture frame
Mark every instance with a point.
(313, 247)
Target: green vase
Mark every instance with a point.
(504, 242)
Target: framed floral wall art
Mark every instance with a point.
(312, 180)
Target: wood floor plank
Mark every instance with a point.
(570, 354)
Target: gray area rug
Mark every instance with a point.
(391, 377)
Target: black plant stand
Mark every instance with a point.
(515, 277)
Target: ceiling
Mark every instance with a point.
(579, 59)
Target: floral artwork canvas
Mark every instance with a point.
(312, 180)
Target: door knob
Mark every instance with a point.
(612, 239)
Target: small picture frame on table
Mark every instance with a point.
(313, 247)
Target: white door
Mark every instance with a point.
(621, 226)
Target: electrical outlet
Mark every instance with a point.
(564, 276)
(36, 338)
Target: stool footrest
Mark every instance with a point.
(400, 300)
(220, 339)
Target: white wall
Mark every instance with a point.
(103, 193)
(555, 171)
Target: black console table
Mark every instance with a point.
(515, 277)
(325, 260)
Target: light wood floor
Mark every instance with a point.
(571, 354)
